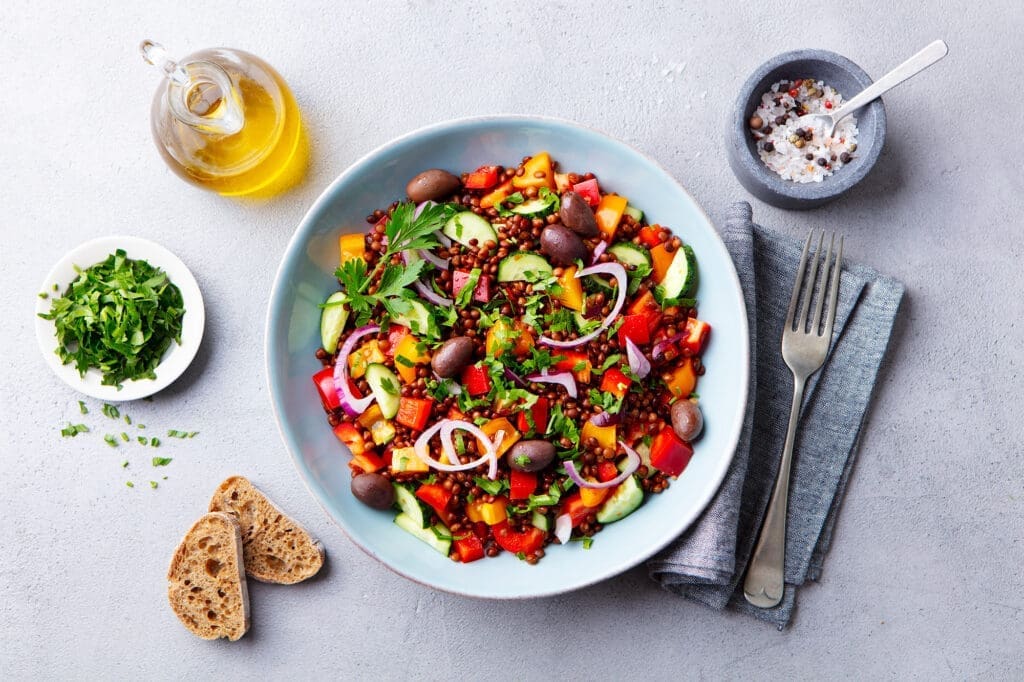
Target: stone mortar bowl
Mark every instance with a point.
(835, 70)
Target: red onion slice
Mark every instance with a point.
(431, 295)
(605, 419)
(632, 464)
(433, 259)
(662, 346)
(515, 379)
(446, 427)
(353, 406)
(598, 251)
(443, 238)
(564, 378)
(619, 273)
(638, 362)
(563, 528)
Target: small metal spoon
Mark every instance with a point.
(913, 66)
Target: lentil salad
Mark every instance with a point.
(512, 359)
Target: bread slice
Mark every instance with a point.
(276, 548)
(206, 581)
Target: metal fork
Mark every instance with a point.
(804, 349)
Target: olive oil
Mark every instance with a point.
(225, 120)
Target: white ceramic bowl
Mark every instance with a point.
(176, 359)
(305, 278)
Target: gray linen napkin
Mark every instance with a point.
(707, 563)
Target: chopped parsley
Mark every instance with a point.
(153, 484)
(161, 461)
(490, 487)
(588, 542)
(129, 484)
(110, 440)
(82, 408)
(111, 411)
(608, 402)
(466, 292)
(154, 442)
(562, 427)
(118, 316)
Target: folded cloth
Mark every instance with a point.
(707, 562)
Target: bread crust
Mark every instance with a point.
(206, 585)
(277, 549)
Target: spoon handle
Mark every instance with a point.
(916, 64)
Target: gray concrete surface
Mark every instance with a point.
(925, 577)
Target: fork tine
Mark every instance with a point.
(833, 292)
(824, 281)
(796, 283)
(809, 286)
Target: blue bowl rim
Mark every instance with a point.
(767, 178)
(451, 125)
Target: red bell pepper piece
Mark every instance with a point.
(606, 471)
(521, 484)
(481, 530)
(414, 412)
(669, 453)
(635, 328)
(649, 235)
(324, 380)
(570, 360)
(367, 462)
(539, 412)
(615, 382)
(649, 308)
(696, 338)
(483, 177)
(577, 511)
(395, 335)
(527, 541)
(589, 190)
(350, 435)
(476, 380)
(481, 293)
(436, 497)
(468, 547)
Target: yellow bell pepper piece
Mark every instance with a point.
(370, 417)
(609, 213)
(540, 163)
(683, 379)
(562, 183)
(405, 459)
(491, 513)
(592, 497)
(409, 354)
(571, 295)
(492, 427)
(507, 335)
(605, 435)
(351, 246)
(363, 356)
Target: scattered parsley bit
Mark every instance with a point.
(488, 486)
(172, 433)
(110, 440)
(82, 408)
(153, 484)
(111, 411)
(124, 464)
(124, 437)
(609, 362)
(154, 442)
(580, 366)
(143, 440)
(467, 290)
(43, 295)
(55, 287)
(127, 420)
(129, 484)
(140, 426)
(521, 556)
(161, 461)
(587, 542)
(118, 316)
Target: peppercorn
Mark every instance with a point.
(823, 161)
(756, 122)
(768, 146)
(845, 157)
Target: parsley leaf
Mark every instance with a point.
(466, 292)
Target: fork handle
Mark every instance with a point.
(765, 579)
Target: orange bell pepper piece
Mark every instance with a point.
(609, 213)
(683, 379)
(492, 427)
(661, 259)
(497, 195)
(408, 354)
(592, 497)
(351, 246)
(605, 435)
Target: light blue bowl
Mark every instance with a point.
(305, 278)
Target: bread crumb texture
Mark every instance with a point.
(205, 582)
(276, 548)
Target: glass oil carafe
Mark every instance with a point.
(225, 120)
